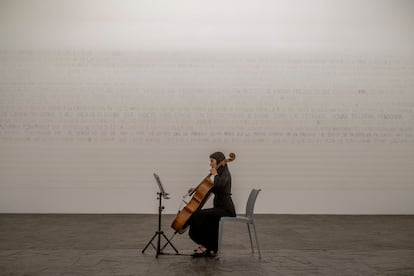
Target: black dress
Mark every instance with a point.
(204, 223)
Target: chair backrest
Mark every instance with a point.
(251, 201)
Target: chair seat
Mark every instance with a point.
(237, 219)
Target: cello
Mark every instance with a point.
(199, 197)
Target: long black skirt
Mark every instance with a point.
(204, 226)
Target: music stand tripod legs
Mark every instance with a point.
(159, 233)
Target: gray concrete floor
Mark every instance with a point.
(291, 245)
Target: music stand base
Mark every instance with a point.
(158, 234)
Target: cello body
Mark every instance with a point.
(200, 195)
(199, 198)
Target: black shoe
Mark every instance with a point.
(200, 254)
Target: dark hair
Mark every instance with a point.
(219, 156)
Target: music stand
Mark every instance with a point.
(161, 194)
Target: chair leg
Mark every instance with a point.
(257, 241)
(220, 237)
(250, 237)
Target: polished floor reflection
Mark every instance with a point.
(291, 245)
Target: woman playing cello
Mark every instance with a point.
(204, 223)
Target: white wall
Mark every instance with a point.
(314, 97)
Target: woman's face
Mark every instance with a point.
(213, 163)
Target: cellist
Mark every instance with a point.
(204, 223)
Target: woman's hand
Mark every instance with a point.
(213, 171)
